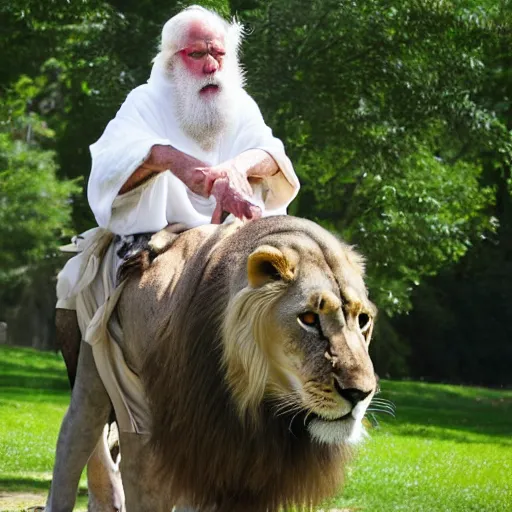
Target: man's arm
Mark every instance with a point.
(227, 182)
(196, 175)
(255, 164)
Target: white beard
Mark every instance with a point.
(205, 117)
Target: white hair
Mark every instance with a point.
(174, 33)
(203, 119)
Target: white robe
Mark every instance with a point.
(146, 119)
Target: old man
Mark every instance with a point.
(185, 149)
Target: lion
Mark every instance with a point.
(251, 345)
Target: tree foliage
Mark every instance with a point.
(35, 206)
(380, 105)
(396, 114)
(464, 311)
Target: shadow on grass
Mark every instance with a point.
(41, 382)
(32, 376)
(455, 436)
(450, 412)
(27, 356)
(25, 484)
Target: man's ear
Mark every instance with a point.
(267, 264)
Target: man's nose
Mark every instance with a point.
(211, 65)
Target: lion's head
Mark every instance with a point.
(257, 367)
(296, 332)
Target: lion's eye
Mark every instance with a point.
(309, 321)
(309, 318)
(364, 322)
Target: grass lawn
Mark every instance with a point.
(34, 395)
(448, 450)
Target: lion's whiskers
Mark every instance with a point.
(286, 409)
(384, 411)
(382, 405)
(285, 405)
(307, 415)
(383, 401)
(291, 421)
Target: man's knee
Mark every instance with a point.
(68, 339)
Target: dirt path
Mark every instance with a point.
(18, 501)
(23, 501)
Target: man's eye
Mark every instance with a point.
(196, 55)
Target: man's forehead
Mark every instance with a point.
(200, 31)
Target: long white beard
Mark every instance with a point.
(205, 117)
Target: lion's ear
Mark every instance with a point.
(268, 264)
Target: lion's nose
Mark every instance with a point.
(353, 395)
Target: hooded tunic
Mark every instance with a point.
(147, 118)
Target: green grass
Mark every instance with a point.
(448, 450)
(34, 395)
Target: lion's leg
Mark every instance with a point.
(80, 431)
(103, 475)
(141, 490)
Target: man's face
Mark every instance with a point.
(205, 82)
(203, 55)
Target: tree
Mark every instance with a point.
(374, 101)
(35, 207)
(396, 115)
(465, 310)
(383, 110)
(66, 71)
(35, 215)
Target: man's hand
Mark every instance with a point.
(200, 180)
(229, 200)
(232, 192)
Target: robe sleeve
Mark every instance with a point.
(124, 146)
(253, 133)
